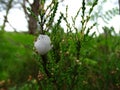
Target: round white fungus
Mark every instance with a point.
(43, 44)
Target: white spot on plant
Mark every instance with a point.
(43, 44)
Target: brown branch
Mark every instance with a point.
(24, 9)
(9, 6)
(119, 6)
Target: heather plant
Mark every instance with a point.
(63, 66)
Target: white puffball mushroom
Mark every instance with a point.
(43, 44)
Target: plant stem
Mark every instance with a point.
(44, 63)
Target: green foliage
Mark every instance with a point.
(46, 15)
(108, 15)
(16, 58)
(77, 61)
(97, 68)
